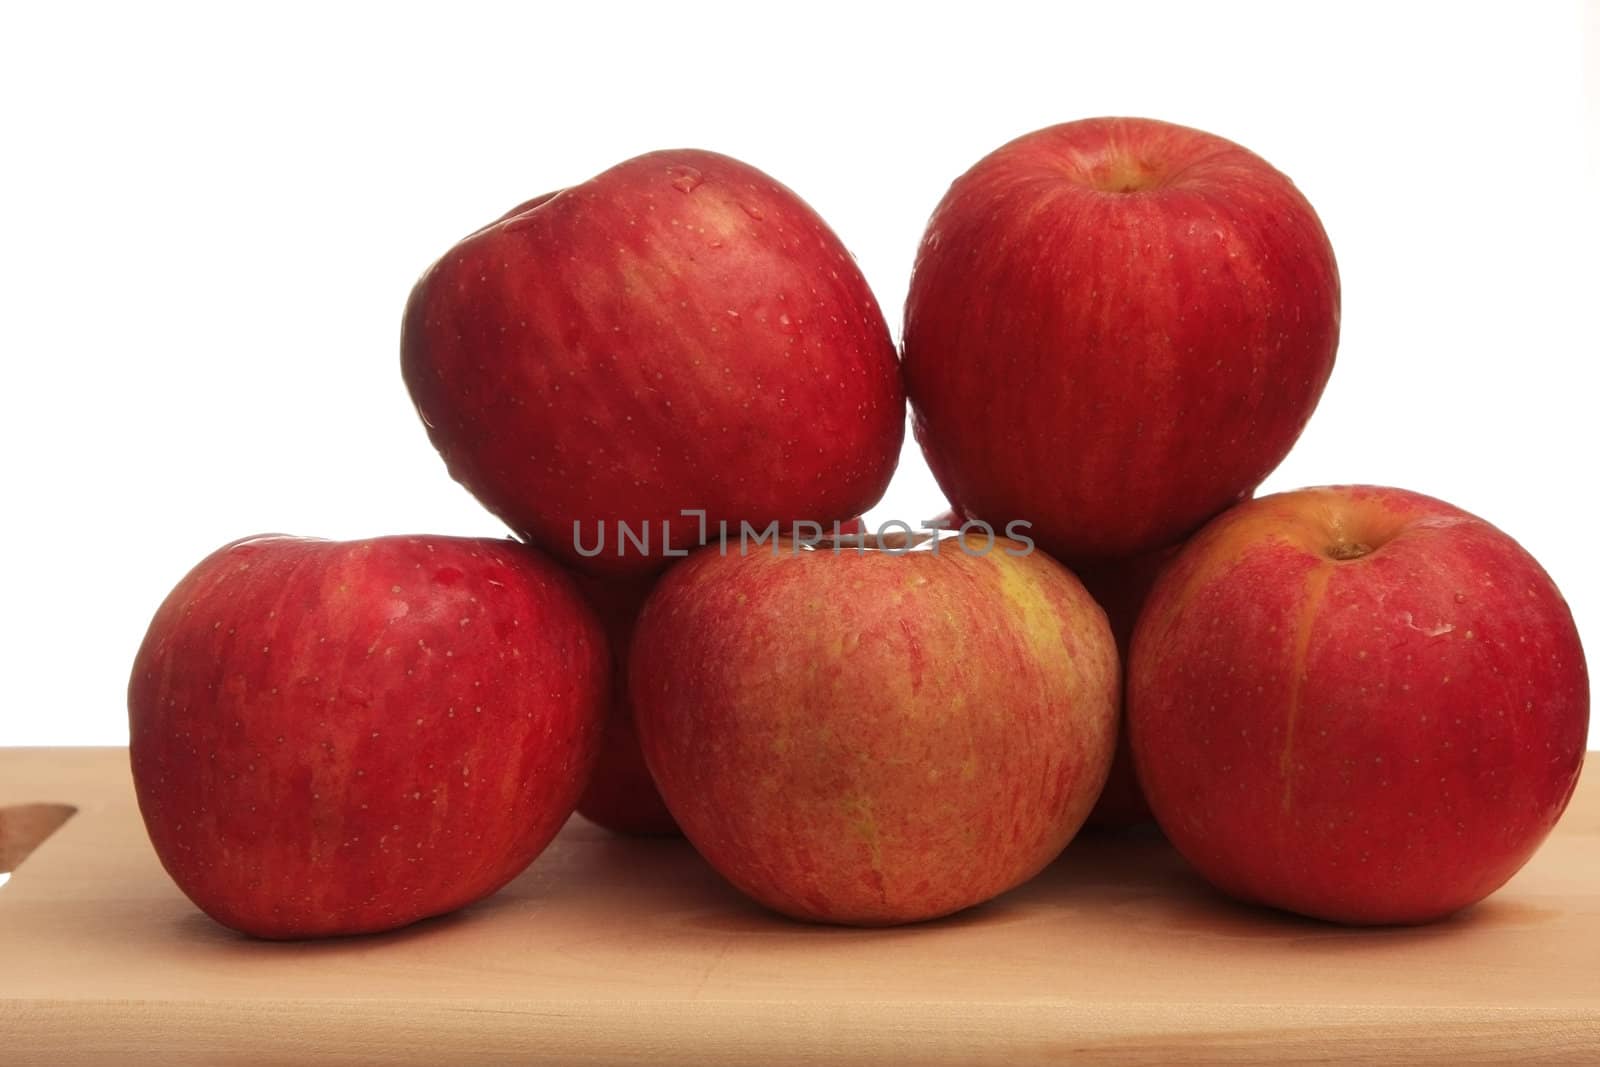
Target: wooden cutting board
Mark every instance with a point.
(611, 949)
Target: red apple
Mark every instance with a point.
(621, 795)
(1120, 588)
(680, 333)
(876, 737)
(1116, 328)
(341, 737)
(1356, 703)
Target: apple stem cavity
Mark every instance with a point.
(1349, 550)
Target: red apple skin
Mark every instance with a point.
(1120, 588)
(344, 737)
(1148, 312)
(875, 738)
(1360, 704)
(680, 332)
(621, 795)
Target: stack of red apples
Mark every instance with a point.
(674, 386)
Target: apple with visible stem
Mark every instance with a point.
(679, 334)
(340, 737)
(874, 737)
(1149, 311)
(1356, 703)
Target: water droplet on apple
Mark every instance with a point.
(686, 179)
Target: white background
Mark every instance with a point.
(211, 220)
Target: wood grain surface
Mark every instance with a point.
(616, 950)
